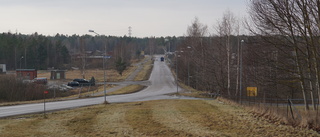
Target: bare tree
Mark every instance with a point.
(294, 25)
(196, 42)
(226, 28)
(83, 58)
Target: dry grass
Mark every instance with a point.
(111, 75)
(152, 118)
(282, 115)
(127, 90)
(144, 74)
(190, 92)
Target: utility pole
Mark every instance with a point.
(177, 71)
(238, 68)
(177, 56)
(240, 84)
(189, 47)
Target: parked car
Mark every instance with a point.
(162, 59)
(82, 82)
(73, 84)
(43, 81)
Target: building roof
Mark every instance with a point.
(58, 70)
(25, 69)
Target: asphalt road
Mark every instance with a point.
(162, 83)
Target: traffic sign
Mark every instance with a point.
(46, 92)
(252, 91)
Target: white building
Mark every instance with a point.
(3, 68)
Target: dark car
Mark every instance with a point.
(73, 84)
(162, 59)
(82, 82)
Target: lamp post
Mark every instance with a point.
(104, 70)
(167, 40)
(177, 69)
(240, 88)
(189, 69)
(20, 61)
(20, 74)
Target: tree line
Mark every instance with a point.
(36, 51)
(31, 51)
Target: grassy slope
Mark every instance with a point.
(153, 118)
(127, 90)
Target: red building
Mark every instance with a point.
(26, 73)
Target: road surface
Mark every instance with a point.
(162, 83)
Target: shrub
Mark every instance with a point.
(12, 89)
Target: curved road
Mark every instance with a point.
(162, 83)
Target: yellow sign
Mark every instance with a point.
(252, 91)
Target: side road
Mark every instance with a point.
(129, 79)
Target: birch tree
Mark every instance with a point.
(225, 29)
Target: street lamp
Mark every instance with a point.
(94, 32)
(20, 67)
(20, 61)
(169, 45)
(189, 69)
(177, 69)
(104, 70)
(240, 89)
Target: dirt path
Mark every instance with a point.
(153, 118)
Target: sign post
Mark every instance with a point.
(44, 103)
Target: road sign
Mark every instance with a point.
(44, 102)
(252, 91)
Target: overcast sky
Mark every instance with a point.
(113, 17)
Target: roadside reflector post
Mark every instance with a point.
(44, 103)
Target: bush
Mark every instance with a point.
(12, 89)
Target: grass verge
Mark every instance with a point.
(190, 92)
(127, 90)
(151, 118)
(145, 73)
